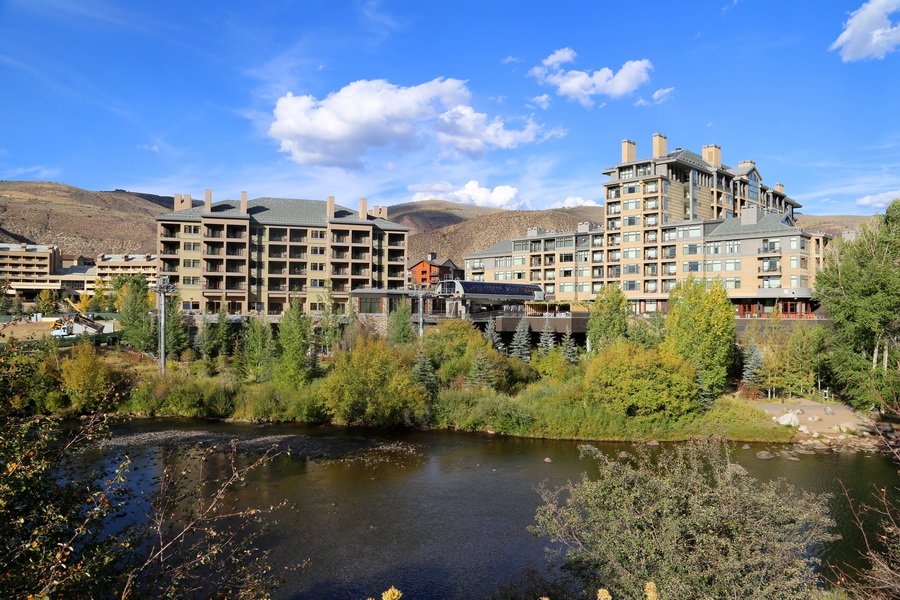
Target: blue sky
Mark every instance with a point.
(501, 103)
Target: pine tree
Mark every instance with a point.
(223, 338)
(258, 350)
(569, 349)
(548, 338)
(752, 364)
(521, 342)
(18, 308)
(399, 326)
(176, 334)
(481, 374)
(137, 326)
(294, 341)
(330, 323)
(5, 304)
(493, 336)
(609, 318)
(423, 373)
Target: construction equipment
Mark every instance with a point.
(84, 319)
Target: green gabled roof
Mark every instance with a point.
(504, 247)
(280, 211)
(768, 224)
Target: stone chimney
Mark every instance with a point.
(779, 187)
(243, 203)
(750, 215)
(713, 155)
(181, 203)
(660, 145)
(431, 256)
(187, 200)
(329, 207)
(746, 163)
(379, 212)
(363, 209)
(207, 200)
(629, 151)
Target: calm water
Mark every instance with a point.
(447, 519)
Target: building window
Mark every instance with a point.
(318, 234)
(191, 263)
(693, 231)
(630, 285)
(631, 205)
(632, 236)
(370, 305)
(692, 266)
(613, 193)
(317, 250)
(691, 249)
(651, 187)
(733, 265)
(733, 247)
(632, 269)
(633, 221)
(631, 253)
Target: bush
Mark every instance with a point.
(690, 522)
(552, 364)
(637, 381)
(473, 409)
(86, 380)
(183, 396)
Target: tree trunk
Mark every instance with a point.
(875, 356)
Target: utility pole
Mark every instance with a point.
(162, 289)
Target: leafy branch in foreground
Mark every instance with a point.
(688, 520)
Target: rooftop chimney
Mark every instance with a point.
(207, 200)
(746, 163)
(779, 187)
(329, 207)
(660, 145)
(181, 203)
(243, 203)
(713, 155)
(629, 151)
(379, 212)
(187, 200)
(750, 215)
(363, 212)
(431, 256)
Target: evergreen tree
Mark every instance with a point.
(294, 342)
(752, 364)
(399, 326)
(521, 342)
(5, 304)
(223, 336)
(700, 329)
(258, 350)
(137, 326)
(481, 374)
(548, 338)
(176, 333)
(18, 308)
(46, 302)
(493, 336)
(424, 374)
(330, 323)
(569, 349)
(608, 322)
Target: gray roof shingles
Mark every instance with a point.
(281, 211)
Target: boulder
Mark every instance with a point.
(623, 455)
(653, 443)
(814, 418)
(764, 455)
(788, 419)
(848, 427)
(803, 429)
(548, 460)
(745, 447)
(884, 428)
(828, 410)
(788, 455)
(736, 469)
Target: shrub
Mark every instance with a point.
(86, 379)
(637, 381)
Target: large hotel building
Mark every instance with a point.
(667, 217)
(254, 255)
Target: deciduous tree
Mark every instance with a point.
(609, 318)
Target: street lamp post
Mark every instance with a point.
(162, 289)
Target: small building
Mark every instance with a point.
(426, 273)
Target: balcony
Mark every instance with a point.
(235, 286)
(213, 269)
(235, 253)
(770, 250)
(166, 232)
(234, 269)
(214, 233)
(339, 239)
(278, 255)
(278, 238)
(770, 269)
(341, 271)
(337, 255)
(360, 239)
(396, 244)
(297, 272)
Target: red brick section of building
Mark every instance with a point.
(428, 272)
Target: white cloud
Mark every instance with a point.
(148, 147)
(574, 201)
(507, 60)
(501, 196)
(542, 101)
(658, 97)
(339, 129)
(36, 172)
(881, 200)
(581, 86)
(869, 33)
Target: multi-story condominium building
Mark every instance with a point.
(29, 268)
(669, 217)
(255, 255)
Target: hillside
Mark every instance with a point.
(482, 232)
(427, 215)
(833, 224)
(79, 221)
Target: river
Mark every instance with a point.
(443, 515)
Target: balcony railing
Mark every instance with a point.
(214, 234)
(770, 269)
(770, 250)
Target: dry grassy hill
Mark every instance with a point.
(427, 215)
(79, 221)
(833, 224)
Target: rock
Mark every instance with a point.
(653, 443)
(745, 447)
(788, 419)
(764, 455)
(548, 460)
(623, 455)
(788, 455)
(828, 410)
(884, 428)
(816, 434)
(736, 469)
(803, 451)
(803, 429)
(799, 411)
(848, 427)
(814, 418)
